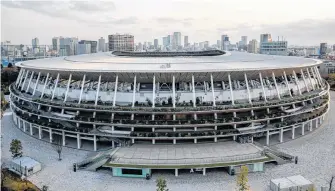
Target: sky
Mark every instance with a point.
(300, 22)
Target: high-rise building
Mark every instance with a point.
(84, 48)
(273, 48)
(334, 47)
(55, 44)
(165, 41)
(170, 39)
(35, 42)
(244, 40)
(265, 38)
(93, 44)
(253, 46)
(119, 42)
(323, 48)
(225, 42)
(102, 45)
(185, 41)
(218, 44)
(156, 43)
(206, 44)
(176, 40)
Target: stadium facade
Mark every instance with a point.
(124, 98)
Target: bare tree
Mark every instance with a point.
(58, 146)
(331, 183)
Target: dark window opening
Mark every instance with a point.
(132, 171)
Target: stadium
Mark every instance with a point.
(170, 110)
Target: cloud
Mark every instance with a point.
(81, 11)
(170, 20)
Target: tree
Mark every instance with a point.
(170, 100)
(16, 148)
(242, 179)
(58, 146)
(331, 183)
(161, 184)
(10, 65)
(45, 188)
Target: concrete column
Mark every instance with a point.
(311, 125)
(193, 91)
(24, 81)
(195, 140)
(36, 82)
(174, 141)
(261, 80)
(303, 129)
(31, 78)
(297, 81)
(215, 139)
(310, 79)
(204, 171)
(174, 94)
(153, 94)
(45, 84)
(63, 138)
(50, 135)
(98, 90)
(95, 142)
(39, 132)
(316, 122)
(267, 137)
(133, 141)
(115, 90)
(231, 90)
(113, 144)
(68, 87)
(287, 84)
(303, 77)
(247, 84)
(274, 80)
(19, 77)
(281, 135)
(31, 129)
(153, 141)
(82, 88)
(19, 123)
(293, 132)
(134, 91)
(24, 126)
(78, 141)
(55, 88)
(212, 87)
(176, 172)
(316, 78)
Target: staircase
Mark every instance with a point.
(278, 156)
(94, 162)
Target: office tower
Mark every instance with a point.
(170, 39)
(118, 42)
(165, 41)
(55, 44)
(267, 46)
(93, 44)
(102, 45)
(265, 38)
(244, 40)
(185, 41)
(35, 42)
(253, 46)
(323, 48)
(176, 40)
(206, 44)
(156, 43)
(225, 42)
(218, 44)
(334, 47)
(84, 48)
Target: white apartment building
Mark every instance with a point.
(102, 45)
(118, 42)
(274, 48)
(253, 46)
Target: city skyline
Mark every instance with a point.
(87, 20)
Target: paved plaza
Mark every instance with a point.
(316, 152)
